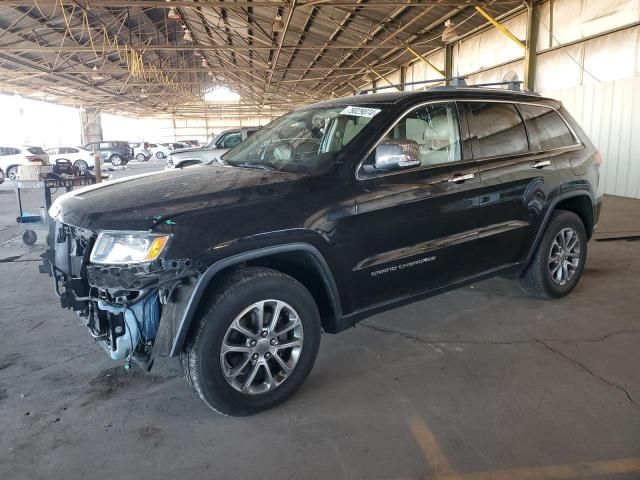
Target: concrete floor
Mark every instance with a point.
(480, 383)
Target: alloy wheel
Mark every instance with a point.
(261, 347)
(12, 173)
(564, 256)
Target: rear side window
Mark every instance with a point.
(547, 129)
(14, 151)
(496, 129)
(36, 150)
(4, 151)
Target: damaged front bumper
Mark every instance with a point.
(124, 306)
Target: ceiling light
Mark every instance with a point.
(95, 74)
(173, 15)
(197, 53)
(204, 62)
(143, 93)
(278, 24)
(449, 33)
(187, 36)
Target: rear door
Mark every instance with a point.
(415, 229)
(516, 181)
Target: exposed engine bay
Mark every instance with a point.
(121, 304)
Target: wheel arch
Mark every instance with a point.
(301, 261)
(578, 201)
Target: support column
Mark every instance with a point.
(403, 77)
(91, 125)
(533, 26)
(448, 62)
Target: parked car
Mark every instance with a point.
(116, 152)
(80, 158)
(159, 150)
(12, 157)
(218, 146)
(332, 213)
(141, 151)
(175, 145)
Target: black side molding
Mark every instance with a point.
(204, 280)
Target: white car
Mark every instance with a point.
(158, 150)
(80, 158)
(141, 151)
(12, 157)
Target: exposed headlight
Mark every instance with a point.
(117, 248)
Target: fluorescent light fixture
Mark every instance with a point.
(95, 74)
(221, 94)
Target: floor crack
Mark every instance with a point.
(588, 370)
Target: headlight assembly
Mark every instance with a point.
(118, 248)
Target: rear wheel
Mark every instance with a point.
(141, 157)
(116, 160)
(80, 167)
(255, 344)
(160, 155)
(559, 261)
(1, 177)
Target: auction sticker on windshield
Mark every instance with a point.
(360, 111)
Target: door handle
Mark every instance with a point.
(541, 164)
(459, 178)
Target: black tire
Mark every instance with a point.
(80, 167)
(29, 237)
(12, 173)
(1, 177)
(116, 160)
(201, 360)
(141, 157)
(537, 280)
(160, 155)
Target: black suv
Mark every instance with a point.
(329, 214)
(115, 152)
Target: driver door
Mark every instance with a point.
(416, 226)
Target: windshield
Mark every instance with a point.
(304, 141)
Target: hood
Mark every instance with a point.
(142, 202)
(191, 149)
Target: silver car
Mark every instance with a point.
(218, 146)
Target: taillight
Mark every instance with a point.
(597, 158)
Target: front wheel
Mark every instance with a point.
(559, 261)
(12, 173)
(255, 344)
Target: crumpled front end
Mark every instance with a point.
(121, 304)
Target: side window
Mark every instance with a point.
(250, 132)
(72, 150)
(434, 128)
(547, 129)
(104, 145)
(4, 151)
(14, 151)
(496, 129)
(231, 140)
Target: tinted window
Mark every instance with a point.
(14, 151)
(546, 127)
(72, 150)
(36, 150)
(496, 129)
(231, 140)
(250, 132)
(4, 151)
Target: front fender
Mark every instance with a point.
(176, 323)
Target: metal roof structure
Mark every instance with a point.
(154, 56)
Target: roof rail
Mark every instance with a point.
(456, 82)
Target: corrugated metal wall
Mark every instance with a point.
(609, 112)
(588, 57)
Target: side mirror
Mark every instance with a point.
(397, 155)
